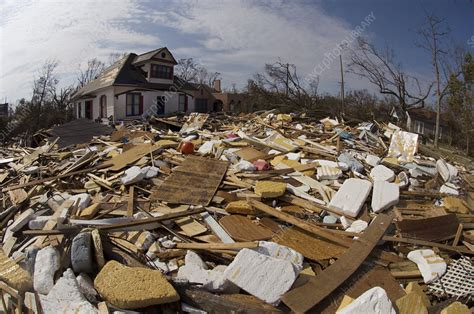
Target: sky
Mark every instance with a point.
(233, 37)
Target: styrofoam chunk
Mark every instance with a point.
(66, 297)
(372, 160)
(84, 200)
(358, 226)
(265, 277)
(276, 250)
(46, 264)
(328, 173)
(351, 196)
(373, 301)
(430, 264)
(132, 175)
(382, 173)
(385, 194)
(192, 258)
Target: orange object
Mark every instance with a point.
(186, 148)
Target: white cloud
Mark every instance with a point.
(69, 31)
(235, 38)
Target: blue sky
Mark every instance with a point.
(235, 38)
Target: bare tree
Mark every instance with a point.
(186, 69)
(93, 69)
(282, 83)
(432, 34)
(381, 69)
(44, 86)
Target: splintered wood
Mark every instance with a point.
(194, 182)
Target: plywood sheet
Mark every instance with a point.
(429, 229)
(194, 182)
(309, 245)
(190, 226)
(241, 228)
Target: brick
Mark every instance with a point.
(132, 288)
(13, 274)
(270, 189)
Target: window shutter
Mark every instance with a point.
(140, 108)
(185, 103)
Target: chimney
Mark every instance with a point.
(217, 85)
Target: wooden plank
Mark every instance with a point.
(429, 229)
(194, 182)
(39, 181)
(323, 233)
(130, 201)
(241, 228)
(216, 228)
(458, 235)
(305, 297)
(250, 154)
(217, 246)
(51, 224)
(190, 226)
(445, 247)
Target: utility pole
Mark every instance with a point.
(342, 85)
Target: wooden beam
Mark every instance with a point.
(429, 244)
(321, 232)
(305, 297)
(217, 246)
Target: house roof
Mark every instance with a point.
(150, 54)
(120, 72)
(426, 115)
(125, 73)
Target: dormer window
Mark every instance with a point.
(161, 71)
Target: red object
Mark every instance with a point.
(232, 135)
(140, 108)
(261, 165)
(186, 148)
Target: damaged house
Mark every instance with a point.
(145, 85)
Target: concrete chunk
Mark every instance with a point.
(382, 173)
(373, 301)
(351, 196)
(430, 264)
(265, 277)
(133, 288)
(81, 253)
(192, 258)
(372, 160)
(66, 297)
(47, 262)
(385, 195)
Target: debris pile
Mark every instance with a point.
(261, 212)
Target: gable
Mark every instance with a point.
(160, 54)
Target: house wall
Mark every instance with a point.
(146, 67)
(108, 92)
(149, 104)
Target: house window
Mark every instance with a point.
(103, 106)
(161, 71)
(182, 104)
(419, 127)
(133, 104)
(201, 105)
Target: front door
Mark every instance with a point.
(160, 105)
(88, 110)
